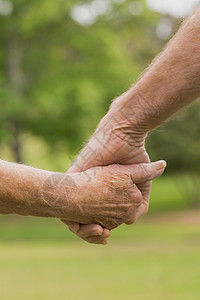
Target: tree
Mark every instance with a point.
(58, 77)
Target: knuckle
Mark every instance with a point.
(135, 197)
(131, 221)
(138, 197)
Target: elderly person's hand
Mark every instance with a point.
(116, 140)
(108, 196)
(162, 90)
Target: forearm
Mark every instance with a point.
(170, 83)
(21, 190)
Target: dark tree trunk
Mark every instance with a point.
(16, 82)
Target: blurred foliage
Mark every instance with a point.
(178, 141)
(57, 77)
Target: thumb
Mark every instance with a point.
(146, 172)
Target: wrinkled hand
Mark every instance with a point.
(109, 196)
(117, 139)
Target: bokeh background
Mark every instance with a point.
(61, 64)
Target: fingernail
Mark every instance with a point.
(160, 165)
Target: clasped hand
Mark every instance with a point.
(108, 196)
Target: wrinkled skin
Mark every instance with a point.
(123, 147)
(109, 195)
(115, 141)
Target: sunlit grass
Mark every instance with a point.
(160, 263)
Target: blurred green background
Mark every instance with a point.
(61, 64)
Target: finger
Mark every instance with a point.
(146, 172)
(106, 233)
(90, 230)
(73, 226)
(101, 239)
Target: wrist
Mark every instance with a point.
(29, 199)
(135, 110)
(128, 119)
(59, 193)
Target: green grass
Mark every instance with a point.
(152, 262)
(146, 261)
(41, 259)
